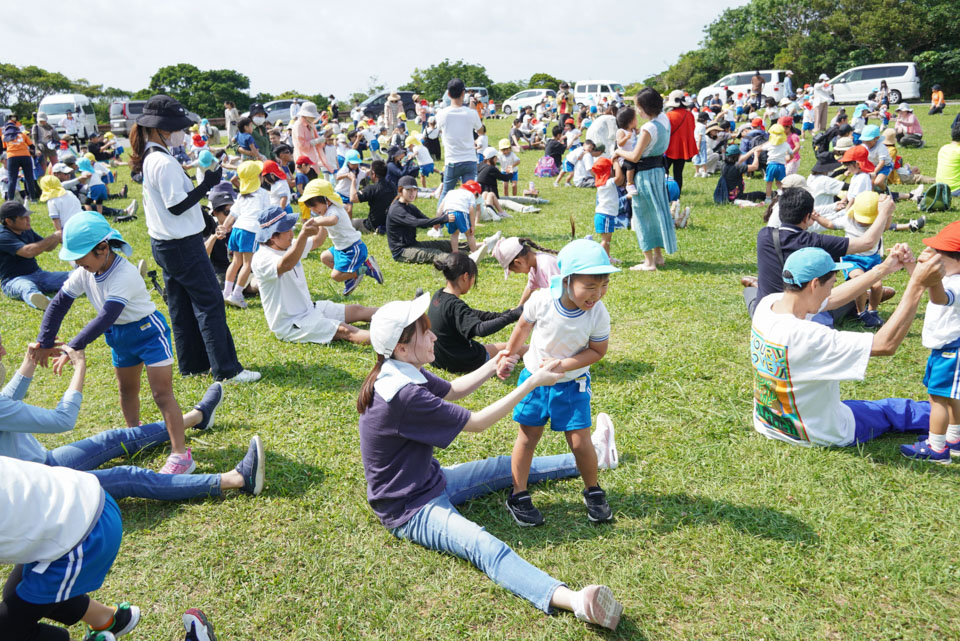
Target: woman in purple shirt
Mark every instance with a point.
(405, 412)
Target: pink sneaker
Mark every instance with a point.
(179, 464)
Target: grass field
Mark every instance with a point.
(719, 533)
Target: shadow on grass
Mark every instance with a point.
(886, 451)
(316, 375)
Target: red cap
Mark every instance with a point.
(304, 160)
(785, 121)
(807, 105)
(568, 121)
(423, 102)
(861, 156)
(271, 167)
(757, 122)
(947, 239)
(473, 187)
(740, 95)
(601, 169)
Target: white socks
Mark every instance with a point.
(227, 288)
(953, 433)
(937, 441)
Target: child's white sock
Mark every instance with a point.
(237, 293)
(937, 441)
(227, 288)
(953, 433)
(577, 602)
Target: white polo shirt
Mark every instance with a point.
(285, 297)
(165, 184)
(63, 207)
(121, 283)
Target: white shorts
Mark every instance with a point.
(319, 325)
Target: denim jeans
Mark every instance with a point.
(902, 415)
(457, 171)
(39, 281)
(439, 526)
(127, 480)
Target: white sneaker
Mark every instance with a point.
(131, 208)
(504, 215)
(631, 190)
(142, 268)
(530, 209)
(478, 254)
(674, 207)
(604, 443)
(39, 301)
(235, 301)
(433, 232)
(491, 241)
(245, 376)
(596, 604)
(684, 217)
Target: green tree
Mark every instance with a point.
(500, 91)
(431, 83)
(201, 91)
(543, 81)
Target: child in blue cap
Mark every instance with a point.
(567, 322)
(135, 330)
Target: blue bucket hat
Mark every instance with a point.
(84, 164)
(352, 157)
(580, 257)
(870, 132)
(274, 220)
(205, 158)
(86, 230)
(808, 263)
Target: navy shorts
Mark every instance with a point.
(426, 170)
(349, 260)
(97, 193)
(604, 224)
(461, 222)
(242, 241)
(942, 377)
(565, 405)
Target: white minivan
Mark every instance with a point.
(740, 82)
(591, 92)
(854, 85)
(526, 98)
(56, 106)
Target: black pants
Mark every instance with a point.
(677, 165)
(197, 315)
(936, 110)
(19, 620)
(14, 165)
(753, 196)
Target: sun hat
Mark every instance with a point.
(794, 181)
(12, 209)
(601, 169)
(407, 182)
(789, 72)
(109, 135)
(84, 231)
(85, 165)
(712, 127)
(390, 320)
(733, 150)
(861, 156)
(51, 187)
(257, 108)
(844, 143)
(504, 144)
(489, 153)
(674, 99)
(826, 164)
(60, 168)
(580, 257)
(274, 220)
(757, 122)
(342, 138)
(319, 187)
(568, 121)
(303, 160)
(198, 140)
(194, 127)
(69, 159)
(823, 76)
(870, 132)
(905, 107)
(785, 121)
(410, 140)
(393, 97)
(864, 208)
(163, 112)
(41, 116)
(221, 199)
(473, 187)
(889, 136)
(784, 101)
(206, 158)
(947, 239)
(778, 135)
(505, 251)
(249, 174)
(89, 156)
(808, 263)
(352, 157)
(859, 109)
(271, 167)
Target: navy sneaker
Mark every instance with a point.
(251, 468)
(350, 285)
(954, 447)
(921, 451)
(870, 319)
(523, 511)
(208, 406)
(598, 510)
(373, 269)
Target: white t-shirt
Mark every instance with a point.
(573, 157)
(164, 185)
(278, 191)
(343, 179)
(941, 323)
(457, 125)
(880, 152)
(64, 207)
(458, 200)
(559, 332)
(807, 115)
(581, 168)
(423, 155)
(285, 297)
(852, 229)
(824, 188)
(608, 200)
(777, 153)
(71, 126)
(631, 140)
(509, 160)
(822, 94)
(572, 137)
(121, 283)
(247, 209)
(342, 234)
(482, 142)
(859, 184)
(798, 365)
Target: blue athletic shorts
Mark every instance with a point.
(344, 199)
(942, 377)
(375, 145)
(565, 405)
(603, 223)
(885, 170)
(739, 111)
(349, 260)
(775, 171)
(340, 161)
(82, 569)
(242, 241)
(866, 263)
(807, 126)
(514, 177)
(567, 167)
(97, 193)
(144, 341)
(426, 170)
(462, 222)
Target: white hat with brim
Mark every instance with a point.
(309, 110)
(389, 321)
(904, 107)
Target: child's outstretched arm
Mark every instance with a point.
(519, 336)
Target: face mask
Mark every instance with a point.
(259, 120)
(176, 139)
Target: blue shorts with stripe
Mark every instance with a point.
(82, 569)
(349, 260)
(97, 193)
(242, 241)
(461, 222)
(566, 405)
(604, 224)
(144, 341)
(942, 376)
(775, 171)
(344, 199)
(426, 169)
(885, 170)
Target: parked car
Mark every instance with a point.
(591, 92)
(276, 110)
(526, 98)
(56, 106)
(854, 85)
(373, 106)
(481, 93)
(740, 83)
(123, 113)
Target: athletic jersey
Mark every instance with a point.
(559, 332)
(342, 234)
(278, 191)
(246, 209)
(608, 200)
(458, 200)
(121, 283)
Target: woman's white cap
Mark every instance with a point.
(390, 320)
(309, 110)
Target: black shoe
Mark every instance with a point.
(598, 510)
(523, 511)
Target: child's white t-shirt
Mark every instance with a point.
(560, 333)
(572, 137)
(423, 155)
(859, 184)
(608, 199)
(852, 229)
(824, 188)
(278, 191)
(509, 160)
(330, 153)
(121, 283)
(573, 157)
(941, 323)
(880, 152)
(285, 297)
(777, 153)
(807, 115)
(631, 140)
(581, 168)
(94, 179)
(342, 149)
(457, 200)
(247, 210)
(698, 133)
(64, 207)
(342, 234)
(482, 142)
(858, 124)
(343, 180)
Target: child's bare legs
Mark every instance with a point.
(161, 384)
(455, 242)
(522, 456)
(605, 242)
(586, 455)
(234, 268)
(943, 412)
(875, 293)
(336, 275)
(630, 174)
(513, 185)
(769, 190)
(861, 300)
(471, 239)
(128, 380)
(245, 270)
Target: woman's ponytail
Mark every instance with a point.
(366, 390)
(138, 144)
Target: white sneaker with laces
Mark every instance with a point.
(433, 232)
(131, 208)
(491, 241)
(245, 376)
(478, 254)
(236, 301)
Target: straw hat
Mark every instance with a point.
(393, 97)
(889, 136)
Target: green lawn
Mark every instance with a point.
(719, 533)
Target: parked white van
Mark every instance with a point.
(526, 98)
(854, 85)
(740, 83)
(56, 106)
(591, 92)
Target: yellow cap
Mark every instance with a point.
(249, 173)
(778, 135)
(314, 188)
(109, 135)
(89, 156)
(504, 144)
(195, 128)
(411, 140)
(52, 188)
(865, 207)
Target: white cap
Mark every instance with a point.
(824, 76)
(489, 153)
(390, 320)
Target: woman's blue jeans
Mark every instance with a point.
(439, 526)
(127, 480)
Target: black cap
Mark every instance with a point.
(12, 209)
(394, 151)
(407, 182)
(163, 112)
(826, 164)
(257, 108)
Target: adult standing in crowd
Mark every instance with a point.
(175, 224)
(822, 97)
(17, 146)
(261, 130)
(47, 140)
(305, 136)
(682, 145)
(457, 124)
(756, 89)
(564, 102)
(230, 117)
(392, 110)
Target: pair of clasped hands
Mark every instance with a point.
(60, 352)
(927, 269)
(549, 372)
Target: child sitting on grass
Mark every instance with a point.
(523, 256)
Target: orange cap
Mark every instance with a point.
(861, 156)
(947, 239)
(601, 169)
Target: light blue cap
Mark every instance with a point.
(580, 257)
(86, 230)
(352, 157)
(808, 263)
(205, 158)
(870, 132)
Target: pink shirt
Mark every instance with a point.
(539, 277)
(794, 140)
(908, 124)
(304, 133)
